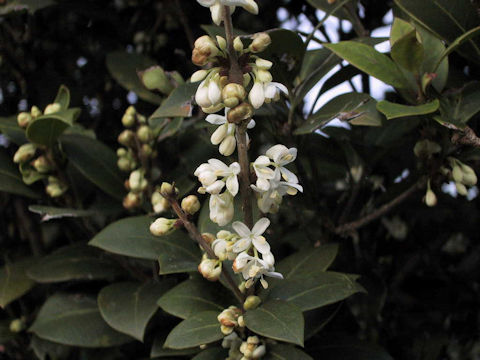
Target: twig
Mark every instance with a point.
(464, 136)
(349, 227)
(235, 74)
(195, 234)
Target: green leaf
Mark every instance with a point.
(393, 111)
(446, 19)
(325, 6)
(74, 262)
(9, 127)
(213, 353)
(46, 129)
(408, 52)
(202, 328)
(192, 296)
(308, 261)
(458, 41)
(169, 127)
(316, 290)
(50, 212)
(159, 350)
(63, 97)
(178, 104)
(356, 108)
(178, 254)
(75, 320)
(128, 307)
(30, 5)
(370, 61)
(11, 181)
(285, 352)
(123, 67)
(46, 350)
(96, 161)
(434, 48)
(131, 237)
(399, 29)
(14, 281)
(459, 108)
(278, 320)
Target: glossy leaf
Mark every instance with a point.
(434, 48)
(9, 127)
(50, 212)
(124, 66)
(75, 320)
(178, 254)
(285, 352)
(11, 181)
(316, 290)
(46, 350)
(74, 262)
(46, 129)
(192, 296)
(458, 41)
(128, 307)
(393, 111)
(370, 61)
(308, 261)
(178, 104)
(63, 97)
(277, 320)
(202, 328)
(213, 353)
(14, 281)
(96, 161)
(408, 52)
(159, 350)
(356, 108)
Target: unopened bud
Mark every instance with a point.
(457, 174)
(167, 190)
(264, 76)
(24, 153)
(426, 148)
(241, 321)
(190, 204)
(52, 108)
(238, 44)
(222, 43)
(17, 326)
(430, 198)
(469, 176)
(198, 75)
(42, 164)
(210, 269)
(260, 350)
(54, 187)
(252, 302)
(219, 134)
(145, 134)
(159, 203)
(162, 226)
(147, 150)
(461, 189)
(260, 42)
(205, 48)
(137, 181)
(155, 78)
(24, 119)
(35, 111)
(131, 110)
(126, 138)
(233, 94)
(263, 64)
(128, 120)
(132, 200)
(240, 113)
(124, 164)
(122, 152)
(228, 146)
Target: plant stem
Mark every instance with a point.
(195, 234)
(235, 74)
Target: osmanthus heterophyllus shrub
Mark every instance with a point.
(206, 234)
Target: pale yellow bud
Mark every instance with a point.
(35, 112)
(190, 204)
(24, 153)
(168, 190)
(24, 119)
(233, 94)
(42, 165)
(137, 181)
(228, 146)
(199, 75)
(126, 138)
(159, 203)
(17, 326)
(238, 44)
(144, 134)
(219, 134)
(123, 164)
(132, 200)
(461, 189)
(457, 174)
(131, 110)
(264, 76)
(260, 42)
(52, 108)
(210, 269)
(430, 198)
(162, 226)
(128, 120)
(252, 302)
(240, 113)
(222, 43)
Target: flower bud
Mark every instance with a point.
(24, 153)
(457, 174)
(204, 49)
(430, 198)
(469, 176)
(144, 134)
(210, 269)
(126, 138)
(240, 113)
(17, 326)
(252, 302)
(264, 76)
(257, 95)
(125, 164)
(132, 200)
(259, 352)
(146, 150)
(42, 164)
(222, 43)
(461, 189)
(226, 330)
(241, 321)
(52, 108)
(155, 78)
(190, 204)
(54, 187)
(263, 64)
(260, 42)
(219, 134)
(35, 112)
(167, 190)
(162, 226)
(198, 75)
(24, 119)
(128, 120)
(131, 110)
(228, 145)
(137, 181)
(122, 152)
(233, 94)
(238, 44)
(426, 148)
(159, 203)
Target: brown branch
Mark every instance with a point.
(235, 74)
(245, 190)
(195, 234)
(464, 136)
(354, 225)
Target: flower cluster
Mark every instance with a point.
(270, 170)
(216, 7)
(214, 176)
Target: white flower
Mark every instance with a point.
(272, 91)
(253, 268)
(209, 94)
(216, 7)
(282, 156)
(254, 236)
(257, 95)
(209, 173)
(262, 92)
(221, 208)
(269, 201)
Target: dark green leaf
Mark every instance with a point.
(124, 66)
(192, 296)
(46, 350)
(285, 352)
(9, 127)
(158, 349)
(202, 328)
(50, 212)
(170, 128)
(127, 307)
(96, 161)
(393, 111)
(75, 320)
(316, 290)
(370, 61)
(408, 52)
(456, 44)
(178, 254)
(74, 262)
(14, 281)
(10, 180)
(46, 129)
(178, 104)
(213, 353)
(277, 320)
(434, 48)
(308, 261)
(63, 97)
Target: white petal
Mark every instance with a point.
(232, 185)
(288, 175)
(218, 165)
(261, 244)
(273, 274)
(263, 184)
(276, 152)
(215, 188)
(270, 90)
(241, 229)
(262, 160)
(206, 3)
(201, 96)
(280, 87)
(217, 13)
(216, 119)
(241, 245)
(214, 92)
(267, 257)
(260, 227)
(256, 95)
(235, 168)
(251, 124)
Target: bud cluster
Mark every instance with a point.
(462, 174)
(230, 319)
